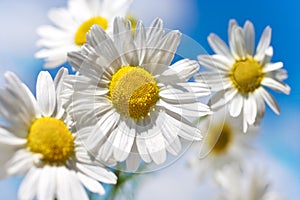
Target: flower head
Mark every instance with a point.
(141, 104)
(71, 25)
(240, 76)
(39, 141)
(224, 143)
(251, 184)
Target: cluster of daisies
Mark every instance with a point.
(128, 103)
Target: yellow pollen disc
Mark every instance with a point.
(133, 92)
(52, 139)
(80, 35)
(246, 75)
(220, 138)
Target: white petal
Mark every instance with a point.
(141, 146)
(250, 109)
(245, 124)
(20, 163)
(214, 62)
(63, 189)
(76, 189)
(263, 44)
(124, 139)
(91, 184)
(183, 128)
(249, 37)
(45, 93)
(238, 44)
(29, 185)
(107, 122)
(230, 94)
(156, 146)
(47, 183)
(269, 100)
(173, 144)
(236, 105)
(276, 85)
(7, 137)
(185, 68)
(268, 67)
(134, 159)
(98, 173)
(219, 46)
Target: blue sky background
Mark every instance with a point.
(279, 136)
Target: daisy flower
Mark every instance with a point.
(142, 106)
(251, 184)
(71, 25)
(38, 141)
(240, 76)
(223, 143)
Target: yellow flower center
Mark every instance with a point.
(246, 75)
(52, 139)
(219, 138)
(133, 92)
(80, 35)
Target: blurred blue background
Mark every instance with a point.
(279, 135)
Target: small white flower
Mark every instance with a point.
(140, 103)
(71, 25)
(249, 184)
(223, 143)
(37, 141)
(240, 76)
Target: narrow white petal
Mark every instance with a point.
(7, 137)
(263, 44)
(91, 184)
(268, 67)
(219, 46)
(156, 146)
(236, 105)
(98, 173)
(216, 62)
(20, 163)
(249, 37)
(47, 183)
(269, 100)
(230, 94)
(124, 139)
(29, 185)
(107, 122)
(141, 146)
(276, 85)
(63, 189)
(245, 124)
(185, 68)
(134, 159)
(45, 93)
(77, 190)
(250, 109)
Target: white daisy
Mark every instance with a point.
(140, 103)
(223, 143)
(240, 76)
(71, 25)
(249, 184)
(38, 142)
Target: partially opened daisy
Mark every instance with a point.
(142, 105)
(240, 75)
(38, 141)
(71, 25)
(223, 143)
(249, 184)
